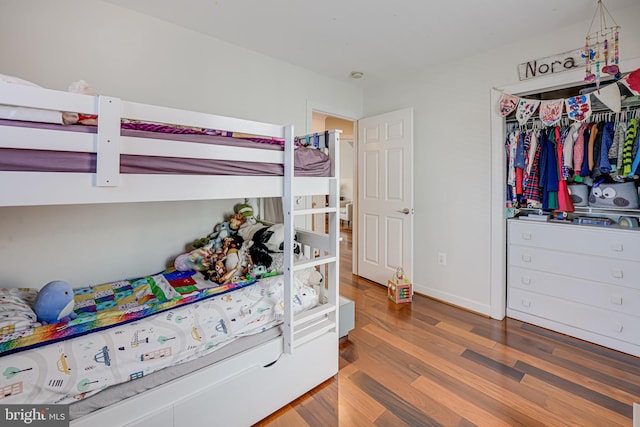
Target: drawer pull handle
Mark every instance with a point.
(526, 258)
(617, 247)
(617, 274)
(616, 299)
(526, 303)
(525, 280)
(618, 327)
(526, 236)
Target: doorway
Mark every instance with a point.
(320, 123)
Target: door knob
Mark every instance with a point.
(405, 211)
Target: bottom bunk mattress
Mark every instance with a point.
(76, 368)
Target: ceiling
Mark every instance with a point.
(384, 39)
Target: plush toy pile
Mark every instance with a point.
(237, 249)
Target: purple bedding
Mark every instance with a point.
(307, 162)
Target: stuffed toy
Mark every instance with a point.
(250, 225)
(214, 240)
(236, 221)
(267, 241)
(246, 210)
(54, 302)
(216, 272)
(231, 247)
(315, 278)
(198, 259)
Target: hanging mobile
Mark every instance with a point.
(605, 32)
(588, 77)
(598, 65)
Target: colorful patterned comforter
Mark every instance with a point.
(105, 305)
(156, 331)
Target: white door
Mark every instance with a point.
(385, 195)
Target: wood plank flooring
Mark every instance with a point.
(432, 364)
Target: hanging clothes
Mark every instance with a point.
(549, 171)
(584, 169)
(597, 150)
(532, 191)
(607, 142)
(627, 158)
(567, 151)
(542, 163)
(619, 142)
(578, 149)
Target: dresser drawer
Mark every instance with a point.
(588, 240)
(609, 297)
(618, 326)
(596, 269)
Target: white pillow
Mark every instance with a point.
(16, 81)
(11, 112)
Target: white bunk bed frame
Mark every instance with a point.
(226, 393)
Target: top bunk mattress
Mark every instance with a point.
(308, 162)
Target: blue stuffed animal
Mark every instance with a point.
(54, 302)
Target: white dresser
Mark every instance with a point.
(579, 280)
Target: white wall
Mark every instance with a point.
(453, 154)
(137, 58)
(346, 169)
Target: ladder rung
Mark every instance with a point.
(313, 331)
(315, 211)
(306, 263)
(314, 313)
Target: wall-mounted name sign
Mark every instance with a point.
(551, 65)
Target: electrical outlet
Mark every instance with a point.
(442, 258)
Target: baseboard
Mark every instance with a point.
(467, 304)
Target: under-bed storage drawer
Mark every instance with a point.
(237, 391)
(271, 386)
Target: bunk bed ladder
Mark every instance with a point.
(310, 324)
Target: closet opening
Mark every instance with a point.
(563, 85)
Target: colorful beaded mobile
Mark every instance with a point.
(592, 46)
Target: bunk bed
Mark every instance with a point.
(247, 378)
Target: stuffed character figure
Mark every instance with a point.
(236, 221)
(271, 237)
(54, 302)
(246, 210)
(250, 224)
(198, 259)
(231, 247)
(214, 240)
(216, 273)
(267, 240)
(315, 278)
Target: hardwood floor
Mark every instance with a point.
(430, 364)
